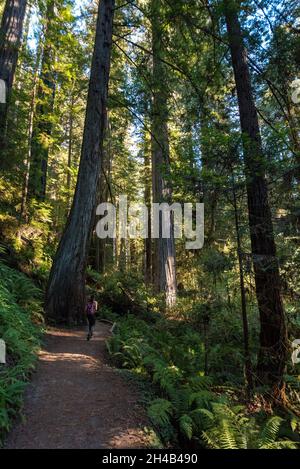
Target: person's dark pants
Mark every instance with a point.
(91, 320)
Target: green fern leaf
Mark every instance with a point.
(186, 426)
(160, 411)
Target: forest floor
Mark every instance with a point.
(77, 400)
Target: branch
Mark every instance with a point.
(130, 2)
(169, 64)
(138, 67)
(138, 118)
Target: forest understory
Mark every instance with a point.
(109, 106)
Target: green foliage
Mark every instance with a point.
(216, 262)
(160, 411)
(20, 309)
(124, 292)
(229, 428)
(186, 425)
(188, 405)
(171, 358)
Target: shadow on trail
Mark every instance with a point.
(76, 400)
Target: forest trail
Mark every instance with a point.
(76, 400)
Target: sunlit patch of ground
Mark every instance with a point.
(76, 400)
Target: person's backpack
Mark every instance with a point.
(90, 308)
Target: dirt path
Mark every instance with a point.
(76, 400)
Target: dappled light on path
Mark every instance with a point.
(71, 357)
(76, 400)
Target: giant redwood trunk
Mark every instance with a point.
(10, 38)
(273, 335)
(65, 297)
(164, 269)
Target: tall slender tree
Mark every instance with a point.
(65, 296)
(27, 160)
(10, 38)
(147, 198)
(164, 267)
(42, 126)
(273, 335)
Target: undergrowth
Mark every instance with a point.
(190, 409)
(20, 327)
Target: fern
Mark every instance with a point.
(229, 428)
(199, 383)
(160, 411)
(169, 357)
(201, 398)
(166, 376)
(17, 294)
(180, 399)
(186, 426)
(268, 436)
(269, 432)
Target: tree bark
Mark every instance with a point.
(164, 265)
(10, 38)
(65, 297)
(273, 334)
(148, 240)
(70, 148)
(103, 196)
(247, 355)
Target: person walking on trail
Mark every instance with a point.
(91, 309)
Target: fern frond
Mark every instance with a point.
(228, 437)
(201, 398)
(160, 411)
(211, 439)
(269, 432)
(199, 383)
(186, 426)
(283, 444)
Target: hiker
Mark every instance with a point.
(91, 309)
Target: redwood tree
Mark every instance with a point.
(10, 38)
(163, 266)
(42, 125)
(273, 335)
(65, 296)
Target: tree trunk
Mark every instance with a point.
(10, 38)
(164, 269)
(147, 197)
(273, 335)
(27, 162)
(247, 355)
(42, 128)
(65, 297)
(70, 147)
(102, 197)
(104, 194)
